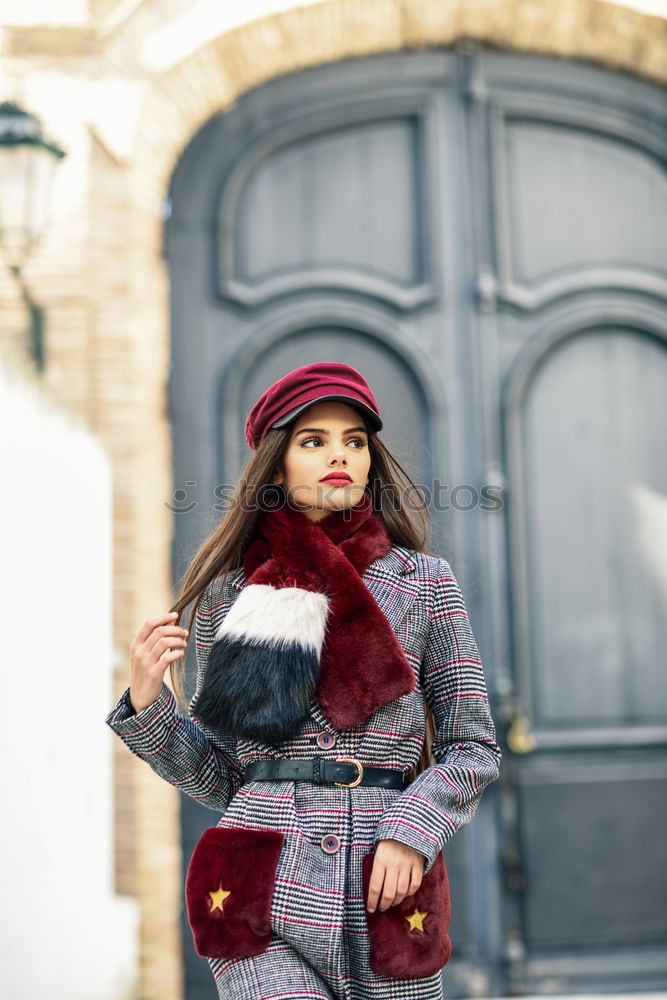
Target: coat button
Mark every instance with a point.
(326, 740)
(330, 843)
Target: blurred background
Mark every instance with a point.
(468, 203)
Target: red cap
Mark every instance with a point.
(287, 397)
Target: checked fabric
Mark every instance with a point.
(319, 944)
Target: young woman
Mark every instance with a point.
(340, 721)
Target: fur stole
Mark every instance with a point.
(305, 626)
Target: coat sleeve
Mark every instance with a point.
(195, 759)
(444, 797)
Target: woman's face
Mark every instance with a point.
(326, 438)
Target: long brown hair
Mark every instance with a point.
(389, 483)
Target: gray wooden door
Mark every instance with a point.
(484, 236)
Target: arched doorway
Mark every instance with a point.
(439, 218)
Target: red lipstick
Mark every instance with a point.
(336, 478)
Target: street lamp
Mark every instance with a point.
(27, 161)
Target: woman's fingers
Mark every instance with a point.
(389, 889)
(375, 885)
(167, 650)
(402, 885)
(381, 887)
(158, 643)
(162, 642)
(389, 886)
(152, 623)
(415, 880)
(145, 647)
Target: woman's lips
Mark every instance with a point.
(337, 480)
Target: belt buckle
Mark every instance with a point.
(357, 780)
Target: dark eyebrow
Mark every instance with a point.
(320, 430)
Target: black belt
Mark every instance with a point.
(345, 771)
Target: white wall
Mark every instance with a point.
(63, 933)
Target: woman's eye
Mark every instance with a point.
(359, 441)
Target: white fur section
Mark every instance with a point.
(263, 614)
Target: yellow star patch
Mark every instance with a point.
(416, 920)
(217, 898)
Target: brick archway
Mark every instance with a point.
(210, 80)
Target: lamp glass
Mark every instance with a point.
(26, 176)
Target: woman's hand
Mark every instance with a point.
(397, 873)
(158, 642)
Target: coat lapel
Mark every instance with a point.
(392, 582)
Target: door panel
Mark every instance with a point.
(312, 205)
(592, 611)
(585, 889)
(347, 220)
(579, 268)
(567, 180)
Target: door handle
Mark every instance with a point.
(520, 738)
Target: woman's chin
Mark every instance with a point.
(325, 501)
(338, 498)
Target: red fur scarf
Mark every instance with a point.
(305, 626)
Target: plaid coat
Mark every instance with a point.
(320, 943)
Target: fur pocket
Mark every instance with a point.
(411, 940)
(228, 891)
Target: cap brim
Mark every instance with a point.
(371, 415)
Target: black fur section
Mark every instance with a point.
(257, 692)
